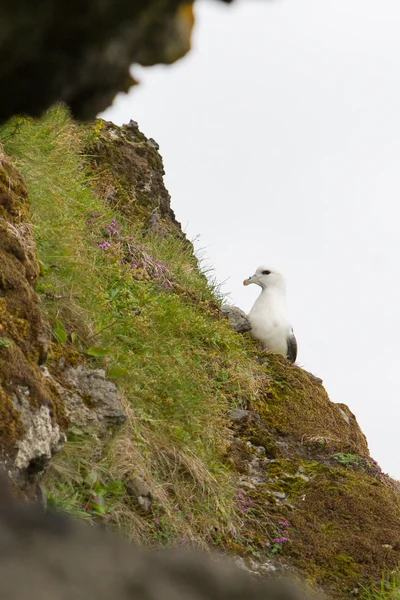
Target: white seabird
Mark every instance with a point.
(268, 317)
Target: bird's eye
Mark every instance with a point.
(266, 273)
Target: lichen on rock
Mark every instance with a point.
(42, 437)
(91, 402)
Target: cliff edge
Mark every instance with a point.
(127, 397)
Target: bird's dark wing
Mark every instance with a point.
(291, 347)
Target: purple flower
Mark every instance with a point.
(280, 540)
(113, 228)
(284, 523)
(104, 245)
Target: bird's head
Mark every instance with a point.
(266, 277)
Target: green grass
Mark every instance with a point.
(177, 365)
(389, 588)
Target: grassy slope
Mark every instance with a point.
(177, 365)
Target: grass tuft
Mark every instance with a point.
(388, 589)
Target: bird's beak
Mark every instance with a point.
(252, 279)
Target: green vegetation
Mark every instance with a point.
(136, 304)
(5, 343)
(389, 588)
(362, 463)
(121, 290)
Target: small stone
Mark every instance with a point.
(355, 591)
(279, 495)
(140, 492)
(237, 414)
(45, 372)
(237, 318)
(153, 143)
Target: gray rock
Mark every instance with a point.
(237, 318)
(279, 495)
(92, 403)
(140, 492)
(42, 436)
(237, 414)
(154, 143)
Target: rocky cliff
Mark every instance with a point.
(127, 397)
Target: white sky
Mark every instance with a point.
(280, 134)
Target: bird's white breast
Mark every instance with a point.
(269, 321)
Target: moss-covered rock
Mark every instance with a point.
(23, 335)
(345, 529)
(304, 462)
(296, 405)
(131, 178)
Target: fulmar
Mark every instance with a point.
(268, 317)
